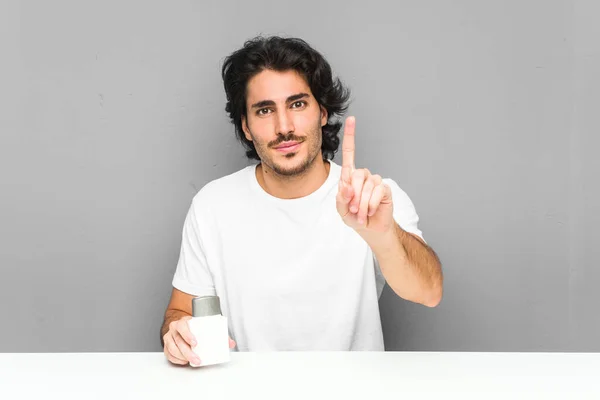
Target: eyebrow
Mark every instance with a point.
(290, 99)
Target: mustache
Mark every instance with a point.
(286, 138)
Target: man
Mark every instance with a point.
(297, 247)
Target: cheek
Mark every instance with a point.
(261, 129)
(307, 122)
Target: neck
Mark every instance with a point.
(293, 187)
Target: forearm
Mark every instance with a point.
(410, 267)
(170, 316)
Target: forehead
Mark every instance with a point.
(275, 85)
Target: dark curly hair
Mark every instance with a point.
(283, 54)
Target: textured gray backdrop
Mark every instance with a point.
(486, 113)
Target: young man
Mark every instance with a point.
(297, 247)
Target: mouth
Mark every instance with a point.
(288, 147)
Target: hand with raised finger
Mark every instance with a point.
(363, 201)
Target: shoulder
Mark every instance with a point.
(218, 190)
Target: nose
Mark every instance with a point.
(285, 123)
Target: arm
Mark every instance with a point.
(410, 267)
(364, 201)
(192, 275)
(180, 306)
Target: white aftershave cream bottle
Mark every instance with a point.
(210, 329)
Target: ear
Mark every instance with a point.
(245, 128)
(324, 116)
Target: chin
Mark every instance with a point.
(291, 165)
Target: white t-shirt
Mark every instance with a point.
(289, 273)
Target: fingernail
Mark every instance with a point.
(194, 343)
(354, 209)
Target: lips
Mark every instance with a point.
(288, 147)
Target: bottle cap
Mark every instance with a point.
(205, 306)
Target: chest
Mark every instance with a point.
(292, 255)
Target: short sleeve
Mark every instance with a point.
(193, 275)
(404, 212)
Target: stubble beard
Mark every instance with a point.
(303, 167)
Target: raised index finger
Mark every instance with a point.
(348, 144)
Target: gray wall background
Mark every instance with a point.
(486, 113)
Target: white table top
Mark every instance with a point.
(306, 375)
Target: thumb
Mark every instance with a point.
(232, 343)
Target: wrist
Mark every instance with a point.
(384, 242)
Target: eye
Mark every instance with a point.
(299, 104)
(263, 111)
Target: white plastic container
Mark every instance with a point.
(210, 329)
